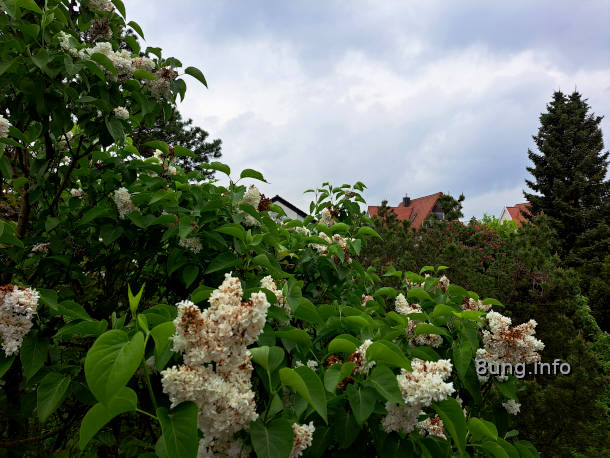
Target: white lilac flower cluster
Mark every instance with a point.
(404, 308)
(17, 307)
(122, 200)
(125, 65)
(269, 284)
(419, 388)
(326, 217)
(217, 367)
(41, 248)
(167, 168)
(313, 365)
(362, 365)
(511, 406)
(77, 192)
(121, 113)
(121, 60)
(302, 230)
(191, 243)
(365, 299)
(443, 283)
(433, 426)
(336, 238)
(101, 5)
(506, 344)
(302, 438)
(252, 197)
(477, 305)
(4, 126)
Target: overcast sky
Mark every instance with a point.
(407, 96)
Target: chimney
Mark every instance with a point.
(406, 200)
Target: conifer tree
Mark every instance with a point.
(571, 188)
(570, 169)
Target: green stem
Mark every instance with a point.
(146, 413)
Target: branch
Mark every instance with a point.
(64, 182)
(29, 440)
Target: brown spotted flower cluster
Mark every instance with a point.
(217, 367)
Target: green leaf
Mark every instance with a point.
(384, 381)
(492, 301)
(71, 309)
(50, 393)
(273, 440)
(5, 363)
(110, 233)
(341, 345)
(115, 128)
(306, 311)
(120, 6)
(480, 430)
(137, 28)
(339, 227)
(346, 428)
(508, 388)
(189, 274)
(104, 61)
(224, 261)
(385, 352)
(415, 294)
(83, 329)
(462, 356)
(160, 145)
(306, 383)
(494, 449)
(29, 5)
(362, 401)
(6, 168)
(143, 74)
(179, 428)
(386, 291)
(298, 336)
(181, 151)
(526, 449)
(125, 400)
(426, 328)
(134, 301)
(93, 213)
(269, 358)
(426, 269)
(365, 230)
(33, 354)
(217, 166)
(111, 362)
(6, 64)
(453, 418)
(161, 334)
(250, 173)
(201, 293)
(336, 374)
(233, 229)
(196, 73)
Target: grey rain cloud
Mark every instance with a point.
(408, 97)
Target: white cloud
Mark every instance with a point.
(411, 118)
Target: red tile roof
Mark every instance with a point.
(417, 212)
(516, 215)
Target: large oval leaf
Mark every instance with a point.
(50, 393)
(272, 440)
(179, 428)
(305, 382)
(111, 362)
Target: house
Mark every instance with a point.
(516, 213)
(291, 210)
(416, 210)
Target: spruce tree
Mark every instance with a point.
(571, 189)
(570, 169)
